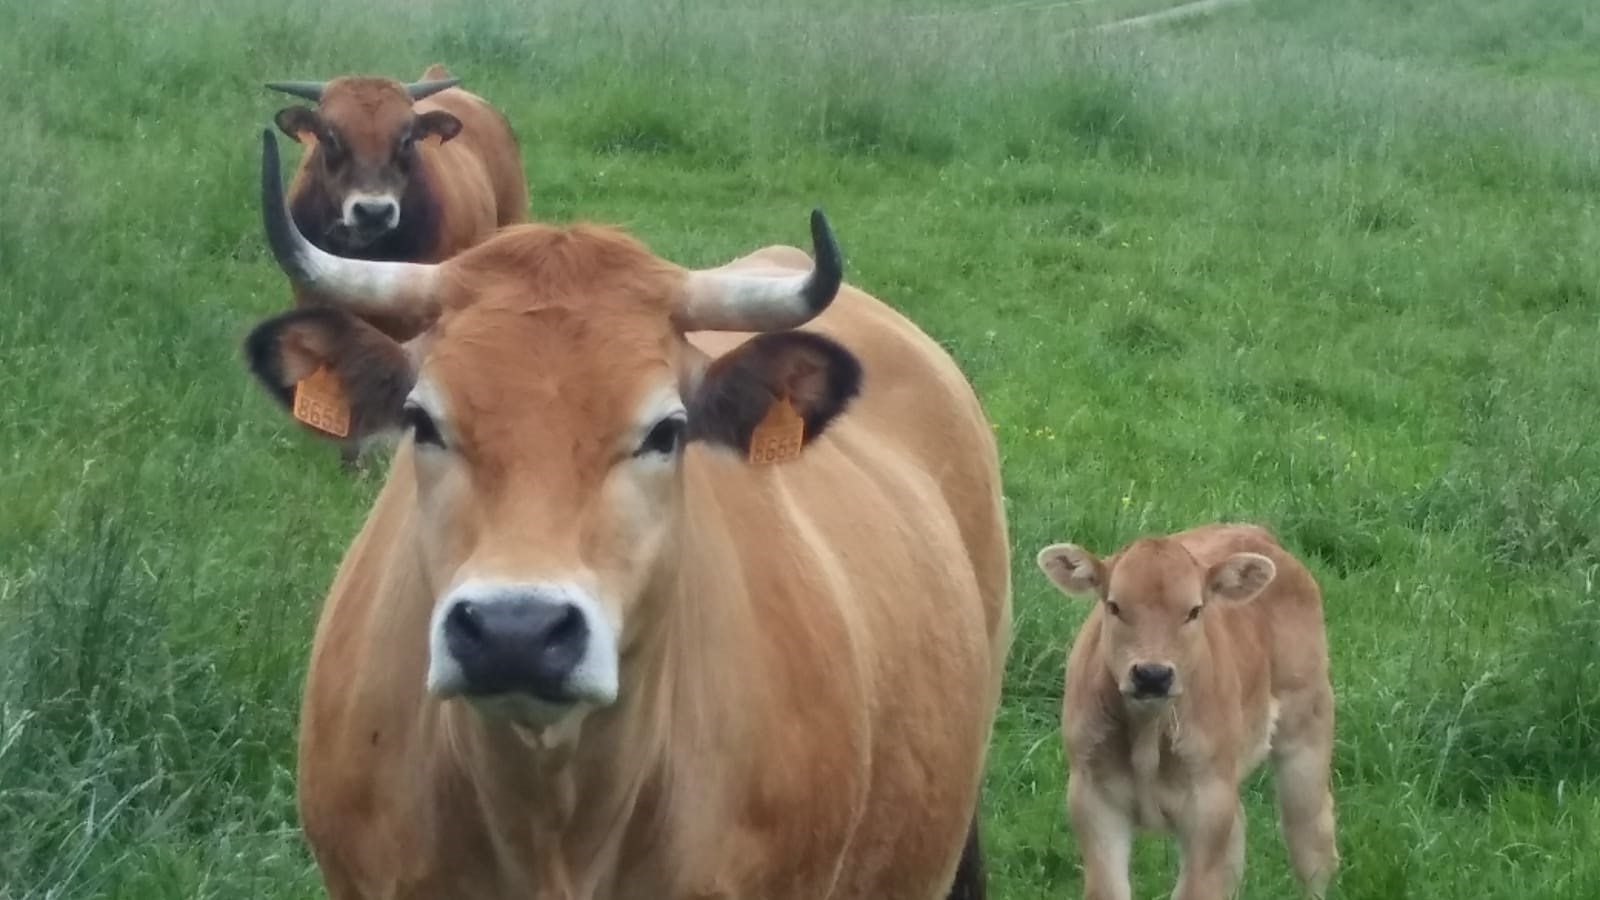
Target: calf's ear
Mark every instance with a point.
(355, 377)
(816, 376)
(1240, 577)
(1073, 569)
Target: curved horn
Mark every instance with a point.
(723, 300)
(363, 287)
(310, 90)
(420, 89)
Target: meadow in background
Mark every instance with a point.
(1330, 266)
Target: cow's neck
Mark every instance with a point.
(553, 800)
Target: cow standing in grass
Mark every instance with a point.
(683, 584)
(1204, 654)
(399, 172)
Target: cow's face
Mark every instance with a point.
(1153, 598)
(364, 138)
(548, 414)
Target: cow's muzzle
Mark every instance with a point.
(508, 646)
(550, 643)
(365, 219)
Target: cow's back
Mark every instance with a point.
(487, 149)
(478, 173)
(887, 535)
(920, 414)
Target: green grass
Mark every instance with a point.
(1328, 266)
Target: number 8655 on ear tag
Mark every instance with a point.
(779, 435)
(319, 402)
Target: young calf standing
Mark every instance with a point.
(1204, 654)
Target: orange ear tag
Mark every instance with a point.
(779, 435)
(319, 402)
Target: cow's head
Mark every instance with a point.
(1153, 597)
(363, 137)
(548, 405)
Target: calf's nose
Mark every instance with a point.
(1151, 679)
(517, 645)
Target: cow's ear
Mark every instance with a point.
(300, 123)
(1240, 577)
(1073, 569)
(361, 376)
(439, 124)
(814, 375)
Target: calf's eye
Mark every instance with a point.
(1194, 613)
(1114, 609)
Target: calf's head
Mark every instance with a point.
(363, 137)
(546, 410)
(1153, 598)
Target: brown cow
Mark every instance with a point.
(1204, 654)
(409, 172)
(585, 646)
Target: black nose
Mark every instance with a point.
(373, 213)
(1151, 680)
(515, 645)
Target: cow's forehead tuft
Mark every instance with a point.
(365, 90)
(498, 357)
(366, 111)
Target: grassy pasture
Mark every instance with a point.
(1328, 266)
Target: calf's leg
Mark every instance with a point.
(1211, 843)
(1104, 830)
(1302, 754)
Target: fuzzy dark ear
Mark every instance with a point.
(438, 123)
(299, 122)
(373, 373)
(818, 376)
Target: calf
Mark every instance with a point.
(399, 172)
(1203, 655)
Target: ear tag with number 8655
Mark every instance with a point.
(779, 435)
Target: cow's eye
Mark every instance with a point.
(423, 429)
(664, 438)
(1115, 610)
(1194, 613)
